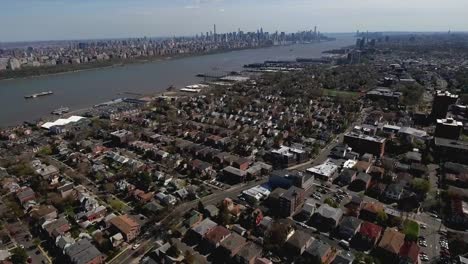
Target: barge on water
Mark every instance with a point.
(61, 111)
(38, 95)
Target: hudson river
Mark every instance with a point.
(83, 89)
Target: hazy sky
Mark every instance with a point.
(77, 19)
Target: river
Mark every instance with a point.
(83, 89)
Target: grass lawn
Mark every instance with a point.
(333, 93)
(411, 229)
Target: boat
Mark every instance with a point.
(61, 111)
(38, 95)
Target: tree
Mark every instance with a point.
(421, 186)
(382, 218)
(331, 203)
(19, 256)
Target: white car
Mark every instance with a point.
(423, 243)
(423, 226)
(136, 246)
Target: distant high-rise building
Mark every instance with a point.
(442, 101)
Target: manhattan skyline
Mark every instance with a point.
(65, 19)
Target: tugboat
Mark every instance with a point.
(61, 111)
(38, 95)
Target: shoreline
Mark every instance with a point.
(122, 63)
(47, 116)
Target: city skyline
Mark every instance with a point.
(67, 20)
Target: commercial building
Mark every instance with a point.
(290, 201)
(441, 103)
(325, 171)
(448, 128)
(365, 144)
(285, 179)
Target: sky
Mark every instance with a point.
(26, 20)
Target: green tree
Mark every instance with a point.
(331, 202)
(421, 185)
(382, 218)
(19, 256)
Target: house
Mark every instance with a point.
(321, 251)
(25, 194)
(370, 210)
(193, 219)
(353, 208)
(65, 189)
(394, 191)
(44, 212)
(233, 175)
(56, 227)
(230, 246)
(368, 235)
(298, 242)
(83, 252)
(344, 257)
(459, 215)
(47, 172)
(308, 209)
(409, 253)
(327, 217)
(346, 177)
(248, 254)
(361, 182)
(64, 242)
(126, 225)
(197, 232)
(215, 236)
(142, 196)
(391, 243)
(211, 211)
(363, 166)
(348, 227)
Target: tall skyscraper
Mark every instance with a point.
(214, 32)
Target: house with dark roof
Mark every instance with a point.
(321, 251)
(231, 245)
(346, 177)
(248, 254)
(394, 191)
(83, 252)
(326, 217)
(344, 257)
(198, 231)
(361, 182)
(298, 242)
(56, 227)
(348, 227)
